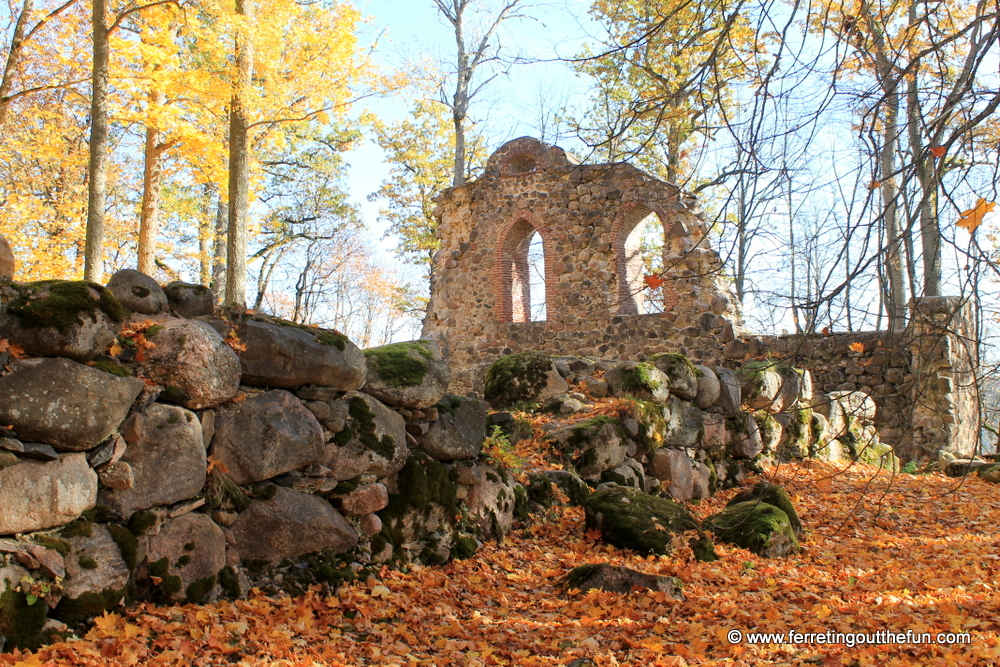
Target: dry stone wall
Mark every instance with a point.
(594, 287)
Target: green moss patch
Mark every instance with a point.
(364, 422)
(128, 545)
(199, 590)
(517, 377)
(400, 364)
(638, 378)
(88, 605)
(61, 304)
(771, 494)
(762, 528)
(53, 542)
(230, 582)
(674, 364)
(21, 623)
(113, 367)
(631, 519)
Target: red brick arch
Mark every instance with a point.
(509, 274)
(630, 286)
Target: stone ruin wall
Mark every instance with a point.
(593, 279)
(922, 381)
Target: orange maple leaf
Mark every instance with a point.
(216, 464)
(972, 218)
(653, 281)
(857, 347)
(593, 534)
(938, 151)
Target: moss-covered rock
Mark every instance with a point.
(762, 528)
(21, 623)
(682, 376)
(638, 380)
(527, 376)
(631, 519)
(616, 579)
(591, 446)
(411, 374)
(771, 494)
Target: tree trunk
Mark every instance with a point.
(93, 254)
(13, 59)
(149, 217)
(206, 235)
(219, 250)
(239, 167)
(460, 103)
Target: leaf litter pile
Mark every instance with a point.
(882, 553)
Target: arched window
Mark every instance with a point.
(523, 278)
(639, 253)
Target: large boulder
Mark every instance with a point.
(373, 440)
(746, 443)
(676, 470)
(761, 386)
(62, 318)
(459, 431)
(762, 528)
(709, 387)
(291, 524)
(639, 380)
(138, 292)
(526, 376)
(618, 579)
(166, 453)
(684, 425)
(591, 446)
(730, 393)
(411, 374)
(64, 404)
(266, 435)
(285, 355)
(97, 571)
(857, 405)
(491, 498)
(186, 555)
(631, 519)
(682, 376)
(192, 362)
(36, 495)
(772, 494)
(187, 300)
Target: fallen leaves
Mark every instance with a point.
(972, 218)
(884, 552)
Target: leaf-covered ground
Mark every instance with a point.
(883, 553)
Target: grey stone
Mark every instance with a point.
(266, 435)
(459, 431)
(640, 380)
(858, 405)
(291, 524)
(373, 441)
(575, 488)
(528, 376)
(106, 571)
(592, 446)
(88, 315)
(187, 300)
(287, 357)
(108, 452)
(11, 445)
(685, 424)
(64, 404)
(761, 386)
(491, 499)
(632, 519)
(393, 371)
(39, 452)
(166, 453)
(138, 292)
(194, 536)
(709, 388)
(730, 394)
(596, 388)
(682, 380)
(701, 486)
(194, 364)
(618, 579)
(370, 524)
(35, 495)
(747, 444)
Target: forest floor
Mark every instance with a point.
(883, 553)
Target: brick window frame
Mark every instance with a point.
(510, 274)
(628, 263)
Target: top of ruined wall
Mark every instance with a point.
(595, 293)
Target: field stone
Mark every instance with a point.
(138, 292)
(36, 495)
(291, 524)
(365, 499)
(411, 374)
(286, 357)
(187, 300)
(618, 579)
(676, 470)
(65, 318)
(730, 393)
(65, 404)
(266, 435)
(194, 535)
(166, 453)
(194, 364)
(110, 574)
(709, 388)
(459, 432)
(373, 439)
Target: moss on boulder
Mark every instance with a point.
(772, 494)
(682, 376)
(762, 528)
(631, 519)
(526, 376)
(62, 303)
(400, 364)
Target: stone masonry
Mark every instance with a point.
(594, 283)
